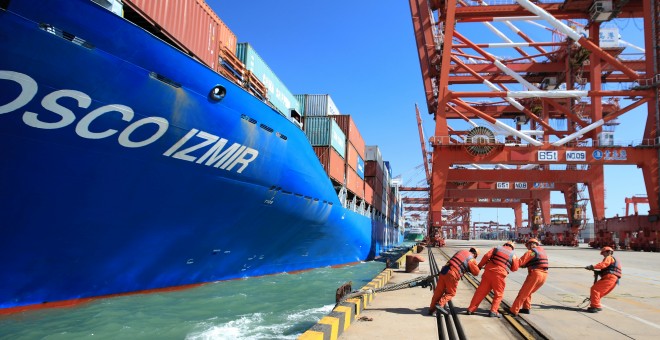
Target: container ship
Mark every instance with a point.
(144, 150)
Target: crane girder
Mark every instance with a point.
(561, 77)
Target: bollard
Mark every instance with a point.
(412, 263)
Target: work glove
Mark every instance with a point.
(589, 267)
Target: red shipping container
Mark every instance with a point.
(377, 184)
(347, 125)
(354, 183)
(332, 162)
(368, 193)
(378, 203)
(351, 156)
(191, 24)
(373, 169)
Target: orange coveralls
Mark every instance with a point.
(445, 289)
(535, 279)
(606, 283)
(493, 278)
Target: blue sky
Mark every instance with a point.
(363, 54)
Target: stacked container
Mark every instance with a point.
(354, 154)
(278, 95)
(329, 143)
(373, 175)
(317, 105)
(199, 32)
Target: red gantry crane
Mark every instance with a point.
(525, 96)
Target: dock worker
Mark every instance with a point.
(497, 263)
(610, 272)
(452, 272)
(536, 262)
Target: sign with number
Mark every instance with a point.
(576, 156)
(503, 185)
(520, 185)
(548, 156)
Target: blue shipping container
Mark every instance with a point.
(360, 167)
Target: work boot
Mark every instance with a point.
(494, 314)
(512, 313)
(594, 310)
(468, 312)
(524, 310)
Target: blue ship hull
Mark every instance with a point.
(120, 173)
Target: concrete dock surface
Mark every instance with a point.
(630, 311)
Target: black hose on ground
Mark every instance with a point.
(457, 323)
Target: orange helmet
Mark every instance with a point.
(474, 251)
(606, 249)
(510, 244)
(533, 240)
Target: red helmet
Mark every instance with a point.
(606, 249)
(510, 244)
(533, 240)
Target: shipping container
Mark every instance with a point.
(347, 124)
(351, 156)
(373, 169)
(332, 162)
(301, 101)
(376, 184)
(368, 193)
(278, 94)
(322, 131)
(190, 25)
(378, 203)
(354, 183)
(372, 153)
(386, 166)
(318, 105)
(360, 167)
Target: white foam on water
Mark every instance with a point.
(306, 315)
(247, 327)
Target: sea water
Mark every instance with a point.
(281, 306)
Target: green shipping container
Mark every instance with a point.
(278, 94)
(323, 131)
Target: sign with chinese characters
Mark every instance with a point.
(544, 185)
(610, 155)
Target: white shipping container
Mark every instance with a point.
(372, 153)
